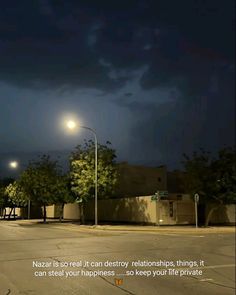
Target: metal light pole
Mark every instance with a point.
(196, 200)
(96, 173)
(28, 209)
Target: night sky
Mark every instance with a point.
(155, 78)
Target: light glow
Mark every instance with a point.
(13, 164)
(71, 124)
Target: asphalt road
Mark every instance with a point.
(36, 258)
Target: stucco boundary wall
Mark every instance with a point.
(132, 210)
(143, 210)
(226, 214)
(136, 210)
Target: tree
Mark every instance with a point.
(214, 179)
(4, 199)
(63, 194)
(82, 169)
(16, 196)
(43, 183)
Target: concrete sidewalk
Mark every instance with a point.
(163, 229)
(70, 225)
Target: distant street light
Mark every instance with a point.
(72, 125)
(13, 164)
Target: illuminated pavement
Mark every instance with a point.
(21, 243)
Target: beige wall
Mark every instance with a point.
(71, 211)
(50, 211)
(53, 211)
(138, 209)
(186, 212)
(224, 215)
(17, 211)
(143, 210)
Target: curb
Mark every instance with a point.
(128, 228)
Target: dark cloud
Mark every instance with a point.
(50, 49)
(128, 94)
(163, 68)
(168, 129)
(61, 42)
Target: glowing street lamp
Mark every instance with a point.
(13, 164)
(72, 125)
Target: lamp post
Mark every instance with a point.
(13, 165)
(71, 125)
(196, 200)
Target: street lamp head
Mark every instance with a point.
(71, 124)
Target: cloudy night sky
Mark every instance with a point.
(154, 77)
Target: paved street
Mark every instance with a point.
(36, 258)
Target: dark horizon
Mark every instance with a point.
(62, 157)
